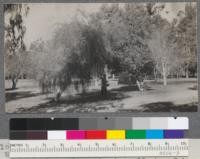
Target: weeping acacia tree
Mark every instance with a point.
(87, 59)
(74, 56)
(15, 49)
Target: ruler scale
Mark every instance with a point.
(99, 137)
(98, 148)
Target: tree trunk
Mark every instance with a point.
(155, 74)
(14, 83)
(164, 79)
(164, 74)
(177, 75)
(187, 71)
(58, 95)
(103, 85)
(83, 87)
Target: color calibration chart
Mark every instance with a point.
(99, 137)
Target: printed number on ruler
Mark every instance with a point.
(4, 149)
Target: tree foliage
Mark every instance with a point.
(187, 39)
(15, 49)
(162, 49)
(130, 38)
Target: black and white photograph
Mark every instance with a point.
(100, 57)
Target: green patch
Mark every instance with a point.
(135, 134)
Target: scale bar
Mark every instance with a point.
(99, 148)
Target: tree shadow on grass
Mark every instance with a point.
(88, 102)
(10, 96)
(165, 107)
(79, 108)
(93, 97)
(127, 88)
(11, 89)
(85, 102)
(131, 88)
(170, 107)
(91, 108)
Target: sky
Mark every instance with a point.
(42, 18)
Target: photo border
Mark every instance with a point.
(194, 117)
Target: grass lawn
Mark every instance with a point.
(179, 95)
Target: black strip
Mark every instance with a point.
(36, 124)
(18, 124)
(44, 124)
(61, 124)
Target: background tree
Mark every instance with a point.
(187, 40)
(125, 30)
(162, 48)
(46, 62)
(15, 49)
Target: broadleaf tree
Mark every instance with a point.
(15, 49)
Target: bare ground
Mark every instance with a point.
(178, 96)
